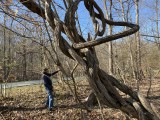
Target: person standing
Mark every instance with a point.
(49, 88)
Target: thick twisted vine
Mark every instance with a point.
(134, 28)
(90, 4)
(100, 16)
(49, 14)
(104, 86)
(52, 20)
(71, 23)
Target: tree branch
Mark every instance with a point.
(34, 7)
(150, 36)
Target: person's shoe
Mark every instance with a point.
(45, 106)
(50, 109)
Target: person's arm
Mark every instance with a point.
(48, 74)
(55, 72)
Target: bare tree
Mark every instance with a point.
(4, 51)
(157, 23)
(82, 50)
(110, 44)
(138, 46)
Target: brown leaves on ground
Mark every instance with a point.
(27, 103)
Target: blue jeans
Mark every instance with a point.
(50, 99)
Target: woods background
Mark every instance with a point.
(24, 41)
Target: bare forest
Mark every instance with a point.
(107, 51)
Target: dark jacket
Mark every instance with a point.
(47, 80)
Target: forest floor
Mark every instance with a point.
(27, 103)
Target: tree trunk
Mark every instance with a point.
(157, 24)
(9, 50)
(24, 54)
(138, 48)
(110, 45)
(105, 88)
(4, 52)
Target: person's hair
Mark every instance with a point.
(45, 69)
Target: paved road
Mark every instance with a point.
(18, 84)
(26, 83)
